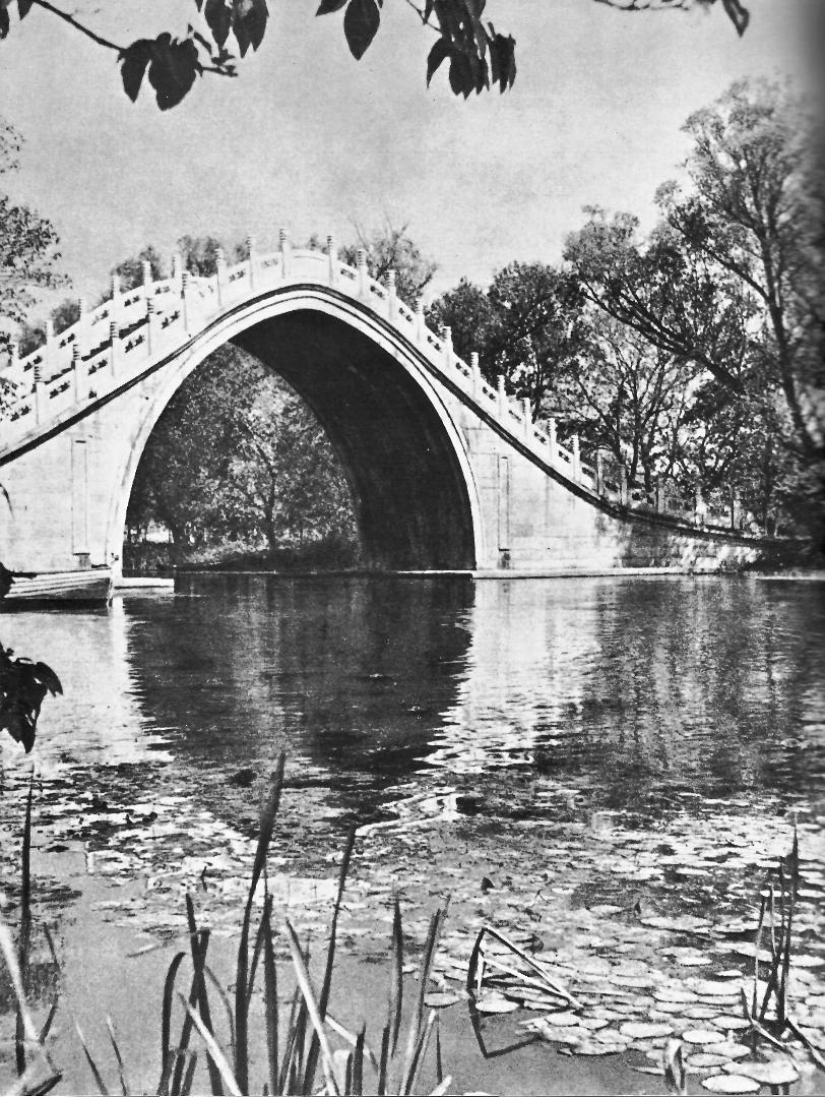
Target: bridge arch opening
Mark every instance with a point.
(401, 456)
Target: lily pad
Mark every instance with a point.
(731, 1083)
(780, 1071)
(703, 1036)
(645, 1030)
(495, 1003)
(441, 999)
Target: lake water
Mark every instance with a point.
(592, 750)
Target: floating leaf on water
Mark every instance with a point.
(762, 954)
(715, 988)
(730, 1023)
(645, 1030)
(731, 1083)
(705, 1060)
(642, 982)
(703, 1036)
(674, 994)
(562, 1018)
(780, 1071)
(441, 999)
(731, 1050)
(590, 1047)
(808, 961)
(495, 1003)
(570, 1036)
(701, 1012)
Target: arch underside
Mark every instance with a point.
(410, 497)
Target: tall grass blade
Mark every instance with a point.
(229, 1080)
(101, 1085)
(199, 942)
(241, 979)
(409, 1084)
(124, 1087)
(25, 927)
(383, 1069)
(189, 1073)
(442, 1087)
(10, 955)
(227, 1005)
(396, 977)
(270, 997)
(757, 948)
(29, 1084)
(168, 1056)
(302, 976)
(326, 986)
(413, 1040)
(357, 1085)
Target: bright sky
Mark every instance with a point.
(309, 139)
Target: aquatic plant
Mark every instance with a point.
(310, 1053)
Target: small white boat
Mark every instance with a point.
(89, 586)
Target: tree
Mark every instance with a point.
(628, 397)
(237, 458)
(753, 215)
(476, 55)
(664, 290)
(732, 280)
(391, 249)
(28, 247)
(525, 328)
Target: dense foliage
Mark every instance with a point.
(696, 354)
(476, 56)
(236, 464)
(28, 248)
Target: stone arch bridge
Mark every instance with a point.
(446, 472)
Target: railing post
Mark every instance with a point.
(80, 376)
(147, 276)
(185, 295)
(250, 243)
(420, 324)
(392, 296)
(527, 415)
(502, 396)
(447, 345)
(735, 511)
(49, 351)
(115, 354)
(577, 462)
(82, 330)
(332, 260)
(286, 263)
(624, 495)
(661, 502)
(552, 439)
(599, 465)
(151, 325)
(363, 275)
(40, 395)
(475, 372)
(220, 276)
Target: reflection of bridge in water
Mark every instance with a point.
(636, 690)
(446, 472)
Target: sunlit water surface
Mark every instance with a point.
(597, 738)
